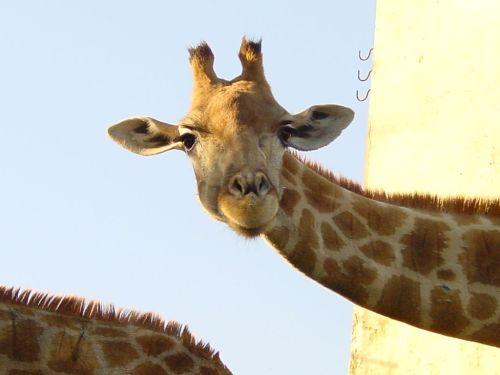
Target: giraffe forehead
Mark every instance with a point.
(237, 106)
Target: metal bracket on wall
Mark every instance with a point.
(361, 58)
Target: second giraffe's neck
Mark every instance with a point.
(403, 263)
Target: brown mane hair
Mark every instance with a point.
(460, 205)
(94, 310)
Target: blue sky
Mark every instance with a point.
(78, 215)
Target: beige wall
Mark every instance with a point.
(434, 126)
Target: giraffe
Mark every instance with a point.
(428, 262)
(47, 334)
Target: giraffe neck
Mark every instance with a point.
(42, 334)
(433, 270)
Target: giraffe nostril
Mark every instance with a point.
(237, 186)
(262, 184)
(257, 184)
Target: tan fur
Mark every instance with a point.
(68, 334)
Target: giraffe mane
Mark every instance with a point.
(98, 311)
(429, 202)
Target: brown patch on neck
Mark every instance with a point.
(350, 226)
(446, 274)
(331, 239)
(382, 219)
(155, 344)
(278, 236)
(380, 251)
(118, 353)
(303, 256)
(288, 176)
(401, 300)
(149, 368)
(179, 363)
(289, 200)
(447, 312)
(427, 202)
(482, 306)
(480, 259)
(70, 354)
(489, 334)
(424, 245)
(291, 163)
(319, 192)
(350, 280)
(20, 340)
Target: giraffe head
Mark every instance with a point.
(235, 134)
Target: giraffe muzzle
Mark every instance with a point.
(249, 203)
(243, 184)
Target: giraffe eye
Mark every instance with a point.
(189, 140)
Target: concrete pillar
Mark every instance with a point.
(434, 126)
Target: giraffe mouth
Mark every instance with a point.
(249, 215)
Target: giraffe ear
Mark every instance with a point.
(315, 127)
(145, 135)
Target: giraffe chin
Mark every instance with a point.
(249, 215)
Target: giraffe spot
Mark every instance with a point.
(289, 200)
(106, 332)
(331, 239)
(350, 226)
(278, 237)
(380, 251)
(482, 306)
(208, 371)
(118, 353)
(322, 203)
(71, 353)
(303, 256)
(22, 310)
(24, 372)
(489, 334)
(179, 363)
(4, 316)
(149, 368)
(319, 184)
(288, 176)
(350, 284)
(446, 312)
(155, 344)
(382, 218)
(290, 164)
(356, 270)
(446, 274)
(319, 192)
(20, 339)
(480, 259)
(424, 245)
(62, 321)
(466, 219)
(400, 300)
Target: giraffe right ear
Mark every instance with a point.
(145, 135)
(315, 127)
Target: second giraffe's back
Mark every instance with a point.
(42, 334)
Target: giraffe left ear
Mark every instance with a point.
(315, 127)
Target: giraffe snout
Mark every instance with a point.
(244, 183)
